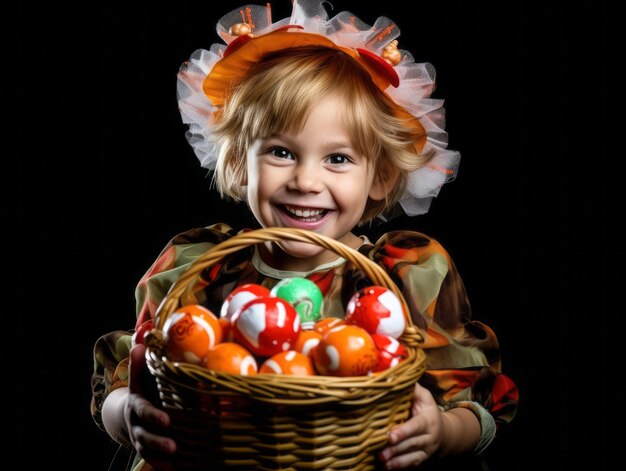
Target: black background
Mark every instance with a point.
(101, 177)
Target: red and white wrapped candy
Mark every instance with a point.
(390, 351)
(378, 310)
(267, 325)
(240, 296)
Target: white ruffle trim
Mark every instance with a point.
(417, 82)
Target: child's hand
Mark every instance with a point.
(146, 423)
(414, 441)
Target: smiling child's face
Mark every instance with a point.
(313, 179)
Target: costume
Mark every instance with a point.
(463, 360)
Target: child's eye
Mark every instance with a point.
(339, 159)
(280, 152)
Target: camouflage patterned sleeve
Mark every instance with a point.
(464, 366)
(110, 369)
(111, 350)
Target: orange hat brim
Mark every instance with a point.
(228, 71)
(237, 61)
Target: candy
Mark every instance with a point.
(267, 325)
(190, 332)
(324, 325)
(378, 310)
(139, 334)
(347, 350)
(288, 363)
(390, 351)
(240, 296)
(307, 341)
(230, 357)
(304, 295)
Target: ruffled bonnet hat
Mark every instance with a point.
(249, 34)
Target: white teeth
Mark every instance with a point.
(304, 213)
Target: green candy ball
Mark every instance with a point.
(304, 295)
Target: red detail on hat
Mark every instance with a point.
(380, 65)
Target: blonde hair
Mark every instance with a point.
(277, 95)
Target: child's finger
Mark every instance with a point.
(415, 426)
(146, 412)
(408, 460)
(422, 397)
(136, 367)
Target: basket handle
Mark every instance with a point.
(374, 272)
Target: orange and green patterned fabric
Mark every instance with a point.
(463, 355)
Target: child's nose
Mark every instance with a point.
(306, 179)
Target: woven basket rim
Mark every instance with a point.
(258, 236)
(268, 387)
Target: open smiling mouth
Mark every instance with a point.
(304, 214)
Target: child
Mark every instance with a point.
(321, 124)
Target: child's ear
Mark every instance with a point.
(383, 185)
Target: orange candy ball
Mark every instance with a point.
(230, 357)
(347, 350)
(190, 333)
(325, 324)
(307, 341)
(288, 363)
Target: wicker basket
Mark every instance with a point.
(271, 422)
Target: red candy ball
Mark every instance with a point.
(378, 310)
(390, 351)
(139, 334)
(240, 296)
(267, 325)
